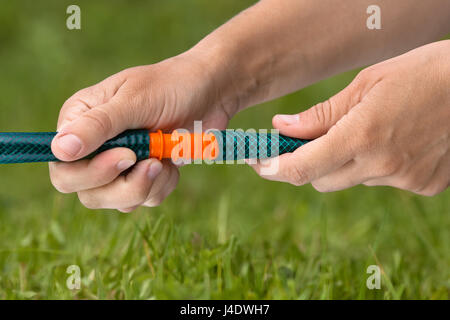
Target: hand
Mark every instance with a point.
(390, 126)
(168, 95)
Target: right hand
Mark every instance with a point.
(167, 95)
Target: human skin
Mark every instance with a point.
(270, 49)
(390, 126)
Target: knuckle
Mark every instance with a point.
(414, 181)
(366, 138)
(297, 176)
(322, 112)
(154, 201)
(61, 187)
(408, 183)
(388, 166)
(362, 76)
(125, 73)
(432, 190)
(59, 183)
(99, 92)
(365, 75)
(370, 183)
(82, 93)
(101, 173)
(427, 193)
(88, 200)
(99, 119)
(321, 187)
(137, 197)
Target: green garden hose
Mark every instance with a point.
(233, 145)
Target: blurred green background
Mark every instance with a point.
(224, 233)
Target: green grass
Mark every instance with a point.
(224, 233)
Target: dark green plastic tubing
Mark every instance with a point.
(238, 145)
(235, 145)
(20, 147)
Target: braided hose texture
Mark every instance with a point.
(238, 145)
(20, 147)
(233, 145)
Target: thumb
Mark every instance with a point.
(317, 120)
(79, 137)
(314, 160)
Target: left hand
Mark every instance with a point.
(390, 126)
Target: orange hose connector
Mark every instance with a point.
(187, 146)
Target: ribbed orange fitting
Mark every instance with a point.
(188, 146)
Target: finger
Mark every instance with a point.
(317, 120)
(440, 180)
(89, 131)
(426, 177)
(164, 184)
(313, 160)
(126, 191)
(90, 97)
(72, 109)
(91, 117)
(128, 210)
(88, 174)
(349, 175)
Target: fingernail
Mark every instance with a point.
(154, 170)
(124, 164)
(70, 144)
(289, 118)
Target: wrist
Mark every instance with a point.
(239, 75)
(212, 59)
